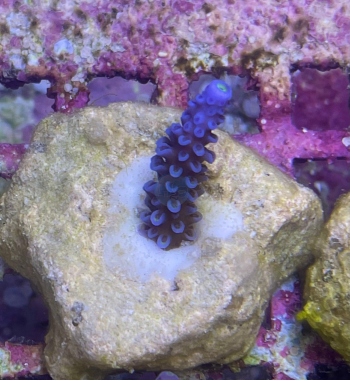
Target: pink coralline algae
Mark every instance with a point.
(282, 343)
(20, 360)
(321, 100)
(293, 129)
(170, 43)
(10, 157)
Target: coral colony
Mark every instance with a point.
(178, 163)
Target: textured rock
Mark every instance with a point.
(71, 42)
(117, 301)
(292, 129)
(327, 288)
(68, 41)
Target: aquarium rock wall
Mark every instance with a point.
(287, 63)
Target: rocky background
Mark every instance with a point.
(294, 54)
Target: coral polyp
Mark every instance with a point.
(179, 158)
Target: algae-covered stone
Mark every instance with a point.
(70, 224)
(327, 286)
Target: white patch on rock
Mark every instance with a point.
(346, 141)
(139, 258)
(17, 62)
(63, 46)
(18, 24)
(32, 59)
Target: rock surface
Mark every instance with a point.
(69, 224)
(327, 288)
(168, 42)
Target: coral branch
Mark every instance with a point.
(180, 171)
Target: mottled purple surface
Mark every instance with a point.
(327, 178)
(104, 91)
(21, 361)
(280, 141)
(10, 157)
(320, 100)
(292, 349)
(170, 42)
(166, 40)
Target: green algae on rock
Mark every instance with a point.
(113, 301)
(327, 286)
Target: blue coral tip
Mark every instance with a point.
(145, 216)
(196, 217)
(175, 171)
(177, 227)
(163, 146)
(219, 92)
(183, 156)
(150, 186)
(190, 234)
(162, 140)
(152, 232)
(163, 241)
(155, 202)
(191, 182)
(199, 132)
(158, 164)
(212, 138)
(209, 156)
(199, 117)
(192, 195)
(173, 205)
(198, 149)
(171, 187)
(176, 128)
(157, 217)
(195, 166)
(200, 99)
(190, 209)
(185, 117)
(184, 140)
(188, 127)
(212, 125)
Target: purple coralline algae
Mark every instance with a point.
(281, 342)
(10, 157)
(21, 360)
(171, 42)
(321, 100)
(293, 130)
(296, 52)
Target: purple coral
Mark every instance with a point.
(180, 171)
